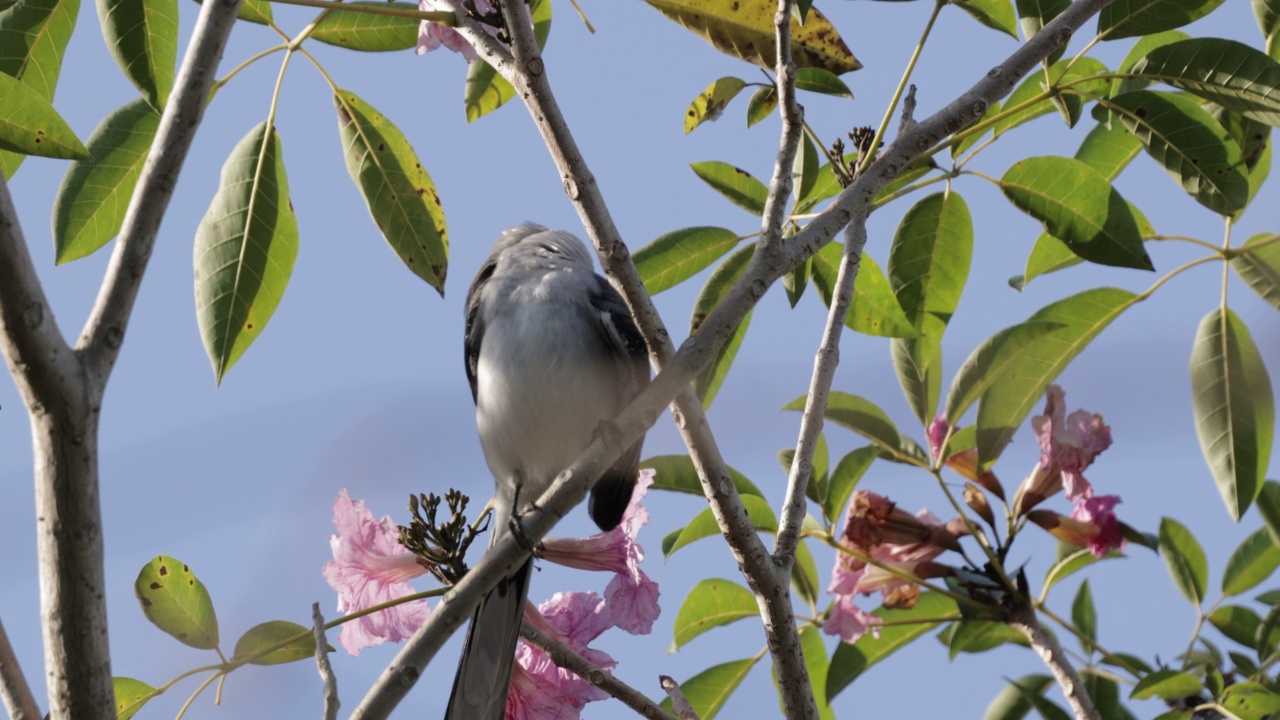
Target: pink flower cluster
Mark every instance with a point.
(370, 567)
(432, 35)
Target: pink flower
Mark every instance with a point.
(632, 596)
(849, 621)
(371, 567)
(1068, 446)
(432, 35)
(542, 691)
(1099, 511)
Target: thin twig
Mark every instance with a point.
(775, 204)
(1047, 647)
(564, 656)
(331, 702)
(815, 406)
(679, 703)
(14, 690)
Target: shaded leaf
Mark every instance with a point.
(850, 661)
(1258, 264)
(254, 11)
(1035, 85)
(995, 359)
(804, 577)
(1226, 72)
(745, 30)
(397, 190)
(1145, 44)
(367, 32)
(1234, 407)
(710, 104)
(1085, 616)
(1130, 18)
(917, 362)
(142, 36)
(1186, 560)
(712, 603)
(704, 525)
(265, 635)
(679, 255)
(1269, 508)
(175, 601)
(821, 80)
(972, 139)
(676, 473)
(804, 170)
(1013, 702)
(817, 664)
(761, 104)
(244, 249)
(1077, 205)
(708, 382)
(91, 203)
(978, 636)
(844, 478)
(865, 418)
(1166, 685)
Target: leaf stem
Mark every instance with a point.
(217, 85)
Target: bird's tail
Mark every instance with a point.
(484, 672)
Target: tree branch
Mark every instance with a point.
(103, 333)
(328, 679)
(564, 656)
(1046, 646)
(824, 370)
(14, 690)
(775, 204)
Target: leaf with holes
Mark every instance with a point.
(397, 189)
(1234, 407)
(745, 30)
(244, 249)
(175, 600)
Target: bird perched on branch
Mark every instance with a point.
(551, 353)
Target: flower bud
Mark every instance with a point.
(977, 502)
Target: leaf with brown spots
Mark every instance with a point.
(30, 125)
(744, 29)
(399, 192)
(175, 601)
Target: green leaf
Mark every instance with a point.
(1076, 559)
(1185, 558)
(796, 281)
(30, 125)
(1269, 508)
(1234, 408)
(268, 634)
(131, 695)
(1013, 702)
(676, 473)
(1251, 563)
(1077, 205)
(918, 364)
(930, 256)
(142, 36)
(704, 525)
(1130, 18)
(844, 478)
(850, 661)
(1139, 50)
(175, 600)
(1035, 14)
(874, 310)
(993, 360)
(826, 185)
(1166, 685)
(995, 14)
(33, 39)
(1258, 264)
(817, 664)
(711, 603)
(867, 419)
(1010, 398)
(820, 80)
(94, 195)
(1193, 147)
(679, 255)
(978, 636)
(708, 382)
(397, 189)
(761, 104)
(486, 90)
(254, 11)
(1085, 617)
(804, 576)
(1227, 72)
(367, 32)
(804, 170)
(1250, 701)
(736, 184)
(244, 249)
(710, 105)
(745, 30)
(708, 690)
(1237, 623)
(1268, 634)
(1034, 86)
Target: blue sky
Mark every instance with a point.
(358, 380)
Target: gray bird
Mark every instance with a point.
(551, 353)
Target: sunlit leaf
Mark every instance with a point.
(761, 104)
(1130, 18)
(1252, 563)
(1085, 616)
(142, 36)
(710, 104)
(254, 11)
(844, 478)
(676, 473)
(244, 249)
(712, 603)
(744, 29)
(978, 636)
(875, 309)
(708, 382)
(131, 695)
(1227, 72)
(820, 80)
(94, 195)
(1250, 700)
(679, 255)
(995, 14)
(1236, 622)
(1234, 407)
(994, 359)
(1061, 72)
(1166, 685)
(704, 525)
(269, 634)
(1145, 44)
(850, 661)
(175, 600)
(398, 191)
(817, 664)
(804, 170)
(930, 256)
(33, 39)
(736, 184)
(368, 32)
(867, 419)
(708, 690)
(1269, 508)
(30, 125)
(917, 362)
(1185, 558)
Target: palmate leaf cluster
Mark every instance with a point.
(1201, 108)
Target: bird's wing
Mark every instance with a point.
(475, 320)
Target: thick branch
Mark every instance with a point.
(103, 333)
(1047, 647)
(564, 656)
(815, 406)
(14, 690)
